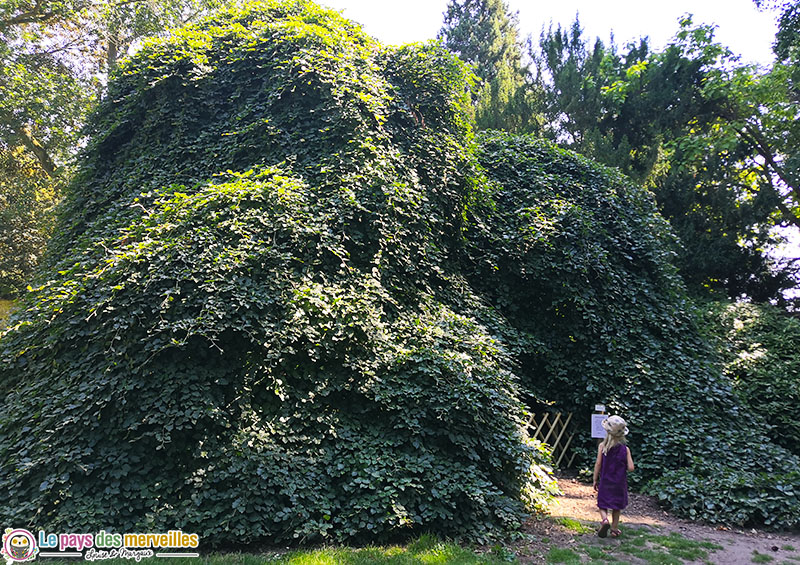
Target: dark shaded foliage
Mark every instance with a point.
(694, 126)
(758, 344)
(578, 261)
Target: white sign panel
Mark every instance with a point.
(598, 431)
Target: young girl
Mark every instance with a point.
(611, 474)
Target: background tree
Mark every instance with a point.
(43, 102)
(54, 60)
(484, 33)
(44, 95)
(27, 198)
(758, 344)
(711, 138)
(576, 78)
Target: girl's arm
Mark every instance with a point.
(630, 460)
(598, 464)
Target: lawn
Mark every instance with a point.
(640, 545)
(425, 550)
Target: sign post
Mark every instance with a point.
(598, 431)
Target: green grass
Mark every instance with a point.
(687, 549)
(575, 526)
(641, 545)
(639, 541)
(652, 556)
(761, 557)
(647, 546)
(601, 555)
(562, 555)
(787, 547)
(594, 552)
(427, 550)
(437, 553)
(661, 549)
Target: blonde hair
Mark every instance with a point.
(611, 441)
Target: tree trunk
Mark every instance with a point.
(112, 51)
(30, 142)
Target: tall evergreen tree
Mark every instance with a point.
(484, 33)
(685, 124)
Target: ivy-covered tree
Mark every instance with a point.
(577, 262)
(292, 299)
(273, 341)
(485, 34)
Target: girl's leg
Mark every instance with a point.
(604, 525)
(603, 515)
(615, 519)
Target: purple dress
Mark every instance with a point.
(612, 488)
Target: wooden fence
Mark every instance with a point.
(553, 429)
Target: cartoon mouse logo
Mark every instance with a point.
(19, 545)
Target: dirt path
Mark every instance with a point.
(578, 503)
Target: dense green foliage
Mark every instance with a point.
(253, 327)
(788, 36)
(758, 345)
(27, 201)
(291, 299)
(578, 262)
(714, 140)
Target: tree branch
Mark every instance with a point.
(30, 142)
(786, 212)
(35, 15)
(754, 138)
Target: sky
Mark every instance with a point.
(740, 25)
